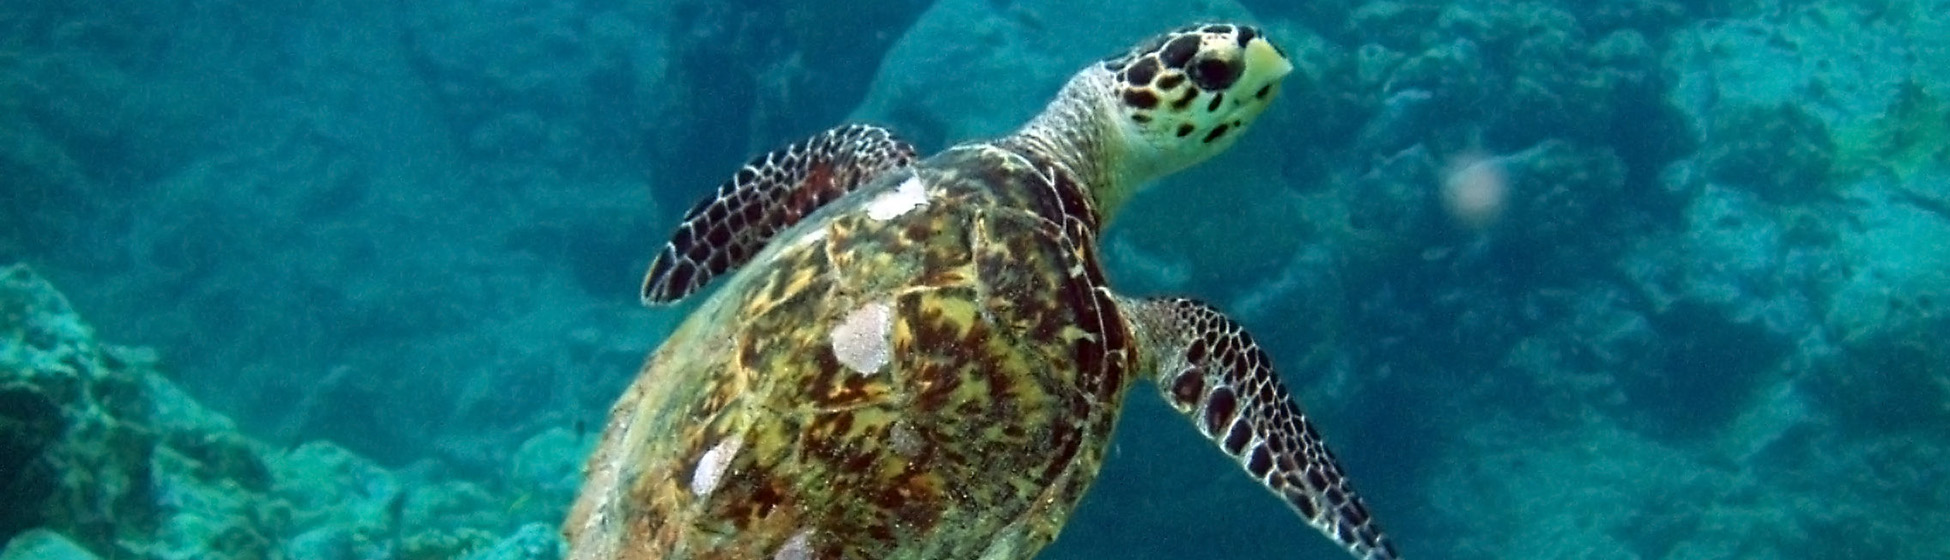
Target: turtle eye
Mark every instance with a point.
(1213, 74)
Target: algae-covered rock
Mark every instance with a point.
(327, 485)
(42, 544)
(546, 473)
(101, 455)
(1819, 87)
(324, 543)
(101, 448)
(534, 541)
(1892, 311)
(1780, 152)
(443, 545)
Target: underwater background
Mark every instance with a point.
(1620, 279)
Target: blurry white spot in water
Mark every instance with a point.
(908, 196)
(711, 467)
(796, 548)
(865, 338)
(1475, 190)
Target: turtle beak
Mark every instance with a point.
(1265, 64)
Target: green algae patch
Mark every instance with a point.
(1912, 137)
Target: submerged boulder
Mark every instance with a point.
(104, 450)
(42, 544)
(102, 456)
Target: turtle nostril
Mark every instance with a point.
(1213, 74)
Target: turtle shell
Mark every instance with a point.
(929, 367)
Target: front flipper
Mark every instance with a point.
(1210, 369)
(770, 193)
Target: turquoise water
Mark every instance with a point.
(1618, 279)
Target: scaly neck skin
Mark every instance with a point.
(1072, 132)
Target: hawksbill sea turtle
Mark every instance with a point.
(920, 358)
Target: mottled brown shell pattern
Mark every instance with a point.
(929, 368)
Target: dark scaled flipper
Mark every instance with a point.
(1210, 369)
(770, 193)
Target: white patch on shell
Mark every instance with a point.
(905, 441)
(798, 547)
(864, 340)
(909, 195)
(711, 467)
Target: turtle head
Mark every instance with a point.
(1185, 95)
(1171, 101)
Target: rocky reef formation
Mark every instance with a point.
(101, 456)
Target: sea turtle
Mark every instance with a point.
(921, 359)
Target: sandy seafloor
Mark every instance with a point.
(353, 280)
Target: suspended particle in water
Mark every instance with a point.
(1475, 190)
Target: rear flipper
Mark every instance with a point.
(1211, 370)
(770, 193)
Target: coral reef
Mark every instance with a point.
(103, 455)
(105, 451)
(1781, 152)
(42, 544)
